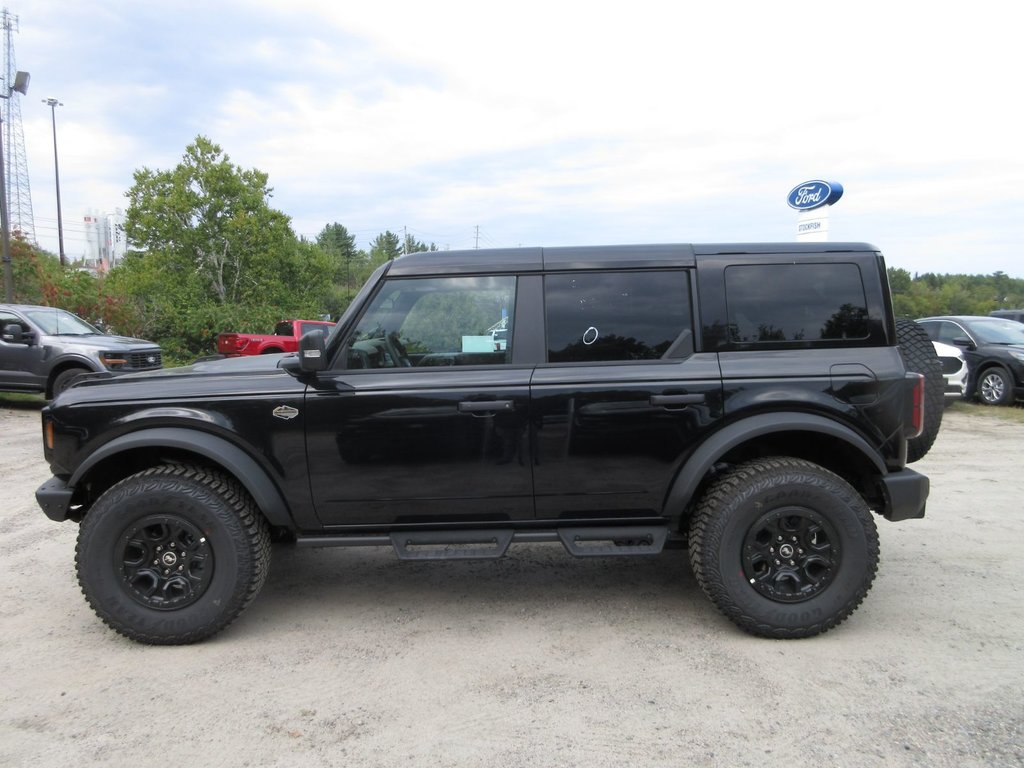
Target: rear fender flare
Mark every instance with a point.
(719, 444)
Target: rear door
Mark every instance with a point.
(621, 396)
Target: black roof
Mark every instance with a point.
(597, 256)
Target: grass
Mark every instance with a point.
(1011, 413)
(21, 400)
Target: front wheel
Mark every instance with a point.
(783, 547)
(172, 555)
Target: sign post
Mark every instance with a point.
(812, 199)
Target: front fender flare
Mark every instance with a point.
(737, 433)
(218, 450)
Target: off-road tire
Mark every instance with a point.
(200, 523)
(919, 357)
(828, 532)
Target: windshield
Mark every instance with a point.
(997, 331)
(57, 322)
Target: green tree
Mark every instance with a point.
(340, 246)
(384, 247)
(412, 245)
(210, 255)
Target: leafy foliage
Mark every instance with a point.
(931, 294)
(39, 278)
(210, 255)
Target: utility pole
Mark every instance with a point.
(53, 103)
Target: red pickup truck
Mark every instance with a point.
(285, 338)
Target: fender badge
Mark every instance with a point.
(285, 412)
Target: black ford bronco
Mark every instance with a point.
(757, 403)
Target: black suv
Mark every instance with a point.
(750, 402)
(45, 349)
(994, 349)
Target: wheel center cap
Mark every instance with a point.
(786, 550)
(169, 559)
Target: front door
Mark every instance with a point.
(424, 419)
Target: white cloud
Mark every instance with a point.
(565, 122)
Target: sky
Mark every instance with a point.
(550, 123)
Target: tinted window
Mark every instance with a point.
(320, 328)
(773, 303)
(617, 315)
(436, 321)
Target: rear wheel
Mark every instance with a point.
(919, 357)
(172, 555)
(995, 387)
(783, 547)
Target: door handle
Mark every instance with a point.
(484, 406)
(677, 399)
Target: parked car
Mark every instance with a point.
(994, 349)
(1009, 314)
(954, 370)
(45, 349)
(285, 338)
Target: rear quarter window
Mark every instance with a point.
(795, 305)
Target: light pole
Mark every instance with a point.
(21, 86)
(56, 174)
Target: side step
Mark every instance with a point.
(609, 541)
(451, 545)
(613, 542)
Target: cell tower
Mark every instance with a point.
(19, 194)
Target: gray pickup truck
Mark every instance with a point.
(44, 349)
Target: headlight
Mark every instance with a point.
(113, 360)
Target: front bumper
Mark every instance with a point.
(906, 493)
(54, 496)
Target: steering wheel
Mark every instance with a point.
(397, 350)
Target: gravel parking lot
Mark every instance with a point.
(351, 657)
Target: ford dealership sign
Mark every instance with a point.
(814, 194)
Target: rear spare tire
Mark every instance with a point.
(919, 357)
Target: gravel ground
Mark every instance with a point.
(351, 657)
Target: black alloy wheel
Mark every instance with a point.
(783, 547)
(173, 554)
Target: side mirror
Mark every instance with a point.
(311, 357)
(963, 341)
(13, 334)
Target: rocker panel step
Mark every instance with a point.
(451, 545)
(614, 541)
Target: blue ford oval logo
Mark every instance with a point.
(814, 194)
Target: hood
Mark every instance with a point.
(104, 341)
(225, 377)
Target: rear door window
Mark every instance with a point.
(617, 316)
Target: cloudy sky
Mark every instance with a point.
(549, 123)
